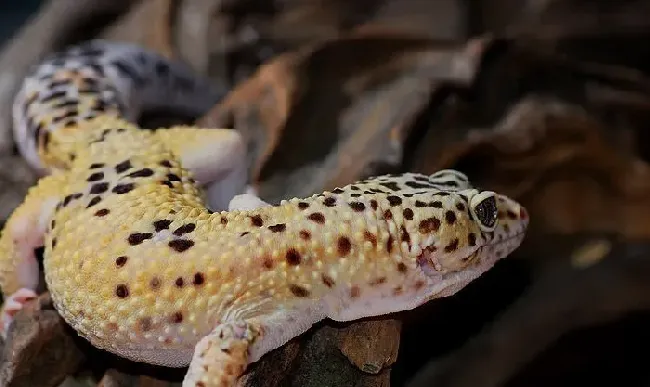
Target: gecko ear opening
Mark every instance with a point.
(484, 209)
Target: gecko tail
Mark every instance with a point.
(102, 77)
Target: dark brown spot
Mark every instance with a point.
(419, 203)
(138, 237)
(53, 242)
(154, 283)
(70, 198)
(397, 290)
(511, 214)
(394, 200)
(317, 217)
(122, 291)
(123, 188)
(452, 246)
(162, 224)
(370, 237)
(257, 221)
(401, 267)
(344, 246)
(408, 214)
(378, 281)
(329, 201)
(224, 221)
(96, 165)
(144, 172)
(244, 233)
(373, 204)
(167, 183)
(450, 217)
(280, 227)
(180, 245)
(268, 263)
(293, 257)
(173, 177)
(185, 229)
(388, 215)
(327, 280)
(355, 291)
(436, 204)
(391, 185)
(179, 282)
(199, 278)
(176, 318)
(460, 206)
(429, 225)
(299, 291)
(389, 243)
(338, 191)
(471, 239)
(96, 176)
(98, 188)
(304, 234)
(94, 201)
(166, 164)
(145, 324)
(357, 206)
(121, 261)
(303, 205)
(102, 212)
(418, 285)
(123, 166)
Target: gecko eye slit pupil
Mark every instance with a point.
(486, 212)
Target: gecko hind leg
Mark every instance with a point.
(216, 158)
(23, 233)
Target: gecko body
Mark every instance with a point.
(137, 264)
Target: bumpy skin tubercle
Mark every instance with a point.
(139, 266)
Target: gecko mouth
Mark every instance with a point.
(429, 264)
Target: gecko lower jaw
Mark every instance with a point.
(426, 259)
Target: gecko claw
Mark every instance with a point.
(12, 305)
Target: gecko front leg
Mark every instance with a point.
(221, 357)
(216, 158)
(23, 233)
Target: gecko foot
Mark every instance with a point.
(221, 357)
(11, 306)
(246, 201)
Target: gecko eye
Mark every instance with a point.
(484, 208)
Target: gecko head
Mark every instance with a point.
(470, 231)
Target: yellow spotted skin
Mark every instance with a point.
(136, 263)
